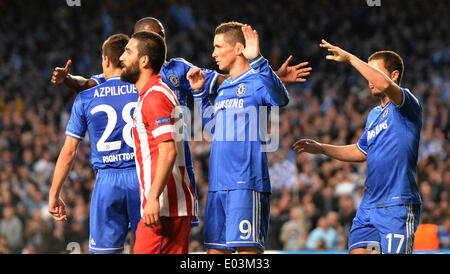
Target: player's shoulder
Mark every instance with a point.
(161, 91)
(407, 93)
(177, 63)
(246, 77)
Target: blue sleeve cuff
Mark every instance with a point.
(200, 93)
(256, 61)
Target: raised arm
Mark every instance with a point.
(375, 76)
(349, 153)
(75, 83)
(273, 84)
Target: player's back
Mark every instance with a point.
(105, 111)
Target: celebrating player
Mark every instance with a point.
(173, 73)
(105, 111)
(237, 207)
(389, 213)
(167, 195)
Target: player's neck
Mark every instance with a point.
(143, 79)
(384, 101)
(112, 73)
(240, 66)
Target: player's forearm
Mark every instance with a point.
(62, 168)
(349, 153)
(377, 78)
(77, 83)
(274, 86)
(203, 104)
(164, 166)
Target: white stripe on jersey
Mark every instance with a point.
(163, 129)
(182, 209)
(73, 135)
(172, 98)
(145, 155)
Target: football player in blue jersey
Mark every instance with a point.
(105, 111)
(173, 74)
(389, 212)
(237, 207)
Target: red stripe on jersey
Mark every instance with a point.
(186, 190)
(173, 197)
(139, 162)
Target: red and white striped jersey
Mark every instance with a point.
(153, 123)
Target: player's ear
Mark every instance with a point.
(144, 61)
(106, 61)
(239, 48)
(394, 76)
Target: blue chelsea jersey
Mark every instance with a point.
(237, 158)
(105, 111)
(173, 73)
(391, 142)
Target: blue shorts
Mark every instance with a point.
(115, 207)
(236, 218)
(387, 229)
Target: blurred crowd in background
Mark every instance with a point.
(314, 198)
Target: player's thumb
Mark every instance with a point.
(69, 62)
(286, 63)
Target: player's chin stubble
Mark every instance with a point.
(130, 74)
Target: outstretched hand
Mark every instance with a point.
(251, 49)
(307, 145)
(60, 74)
(292, 74)
(339, 55)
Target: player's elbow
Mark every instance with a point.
(385, 85)
(283, 100)
(168, 151)
(68, 154)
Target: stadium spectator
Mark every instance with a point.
(293, 232)
(426, 237)
(323, 232)
(444, 233)
(12, 229)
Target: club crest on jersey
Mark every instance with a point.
(174, 80)
(385, 114)
(241, 90)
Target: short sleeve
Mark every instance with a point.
(99, 79)
(77, 125)
(211, 79)
(362, 143)
(157, 111)
(410, 106)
